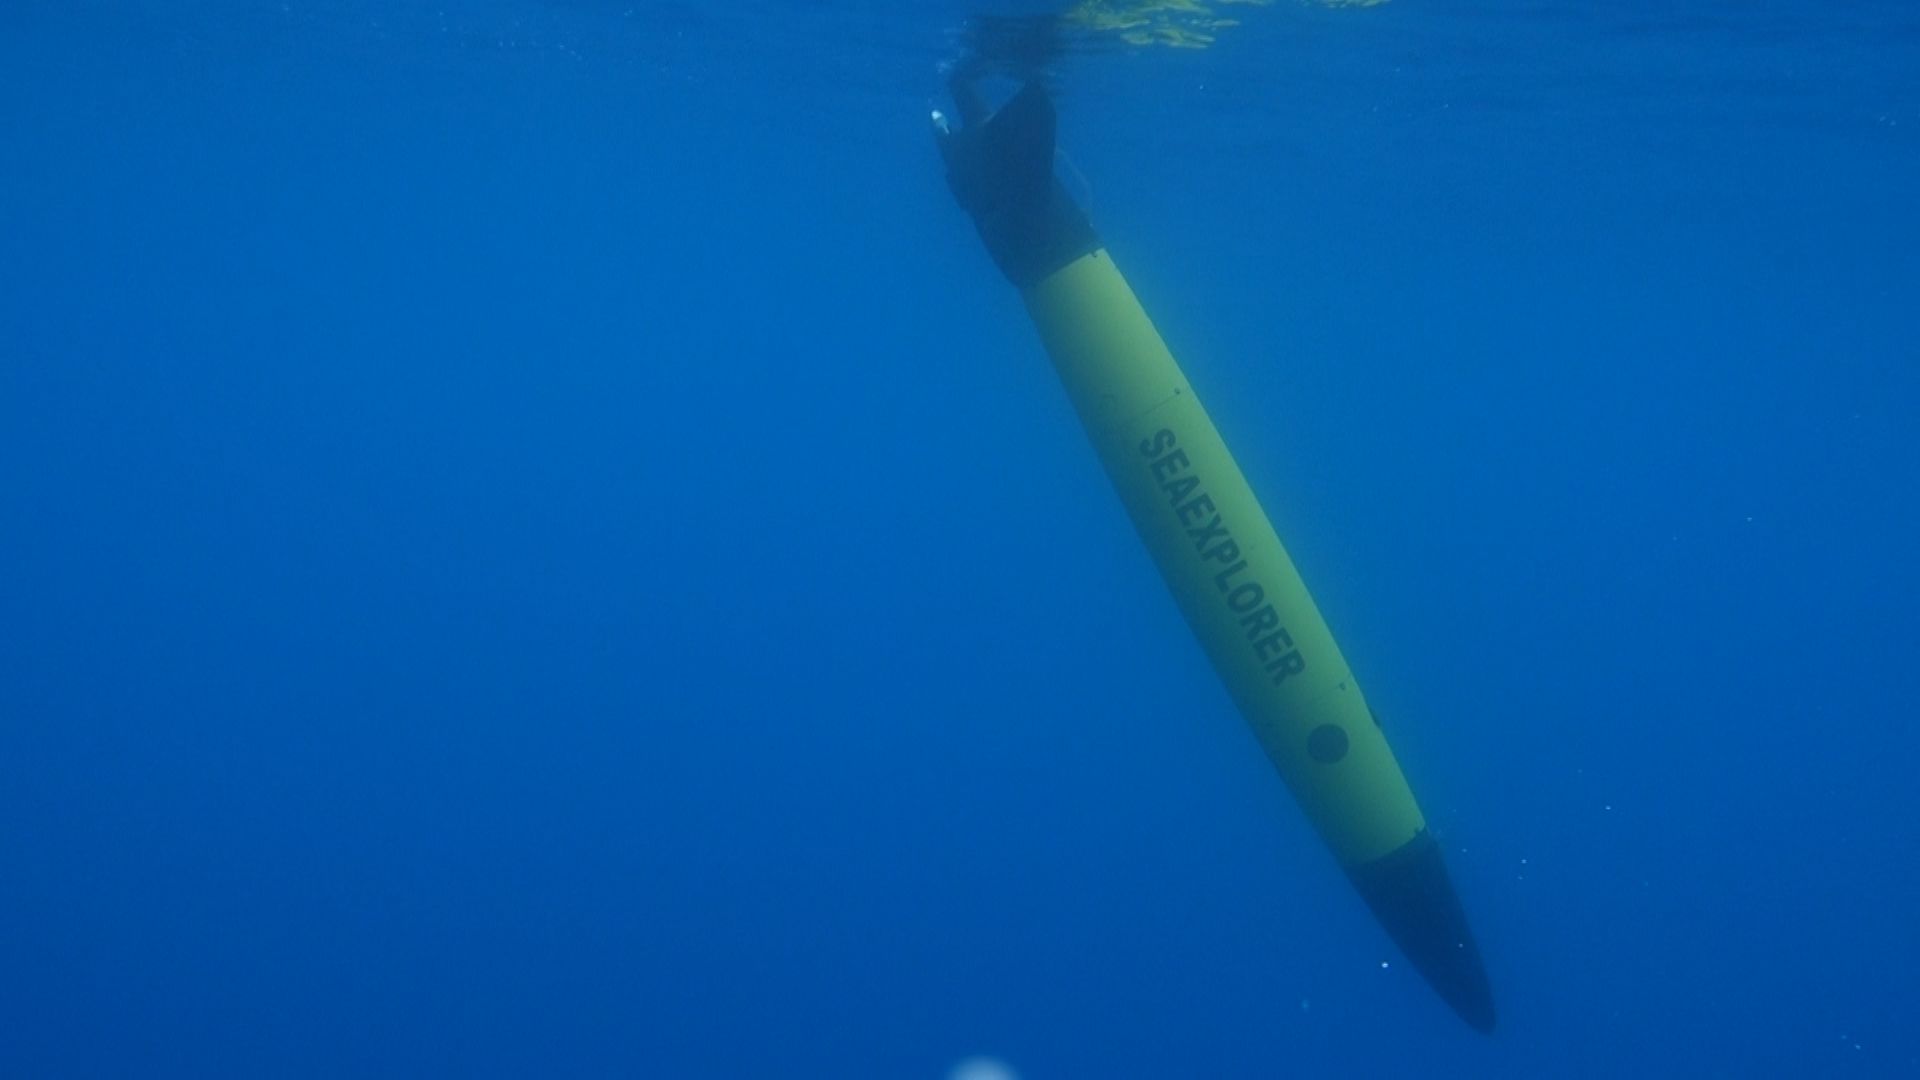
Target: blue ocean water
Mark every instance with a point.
(534, 542)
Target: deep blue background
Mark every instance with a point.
(534, 542)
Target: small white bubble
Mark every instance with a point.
(982, 1068)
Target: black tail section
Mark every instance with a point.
(1000, 167)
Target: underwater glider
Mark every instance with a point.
(1218, 553)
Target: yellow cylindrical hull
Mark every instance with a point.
(1222, 559)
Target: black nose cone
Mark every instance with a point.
(1410, 893)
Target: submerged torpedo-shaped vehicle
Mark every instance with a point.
(1214, 545)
